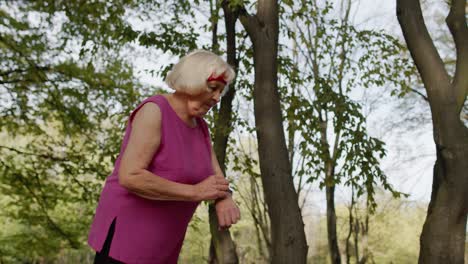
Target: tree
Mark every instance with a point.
(337, 59)
(443, 236)
(287, 228)
(222, 249)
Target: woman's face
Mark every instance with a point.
(199, 105)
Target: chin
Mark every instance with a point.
(201, 114)
(198, 113)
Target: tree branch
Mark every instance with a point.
(38, 68)
(422, 49)
(250, 22)
(8, 72)
(35, 154)
(456, 22)
(15, 81)
(419, 93)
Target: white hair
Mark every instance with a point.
(192, 71)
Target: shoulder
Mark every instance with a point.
(149, 113)
(150, 107)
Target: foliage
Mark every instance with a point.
(333, 59)
(61, 125)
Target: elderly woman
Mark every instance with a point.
(166, 167)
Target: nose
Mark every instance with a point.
(217, 96)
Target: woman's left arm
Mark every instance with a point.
(226, 209)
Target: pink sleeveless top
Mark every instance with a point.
(149, 231)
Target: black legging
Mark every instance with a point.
(102, 257)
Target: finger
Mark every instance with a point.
(221, 187)
(222, 194)
(220, 177)
(222, 181)
(218, 195)
(227, 219)
(233, 215)
(211, 197)
(221, 220)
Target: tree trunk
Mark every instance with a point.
(222, 248)
(443, 235)
(365, 237)
(287, 228)
(329, 165)
(258, 210)
(331, 226)
(356, 239)
(351, 227)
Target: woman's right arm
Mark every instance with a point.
(142, 145)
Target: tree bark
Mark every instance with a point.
(443, 235)
(351, 228)
(356, 239)
(329, 165)
(331, 226)
(222, 248)
(365, 237)
(287, 228)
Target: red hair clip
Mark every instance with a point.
(219, 78)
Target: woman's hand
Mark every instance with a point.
(212, 188)
(227, 211)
